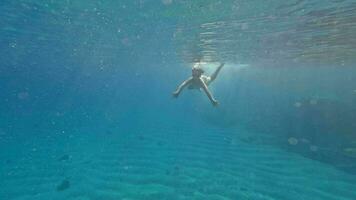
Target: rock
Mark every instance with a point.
(159, 143)
(65, 184)
(141, 137)
(64, 157)
(243, 189)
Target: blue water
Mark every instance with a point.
(87, 113)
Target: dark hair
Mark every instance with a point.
(198, 69)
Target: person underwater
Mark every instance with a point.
(199, 81)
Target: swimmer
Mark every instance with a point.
(199, 81)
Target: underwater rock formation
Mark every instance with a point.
(64, 158)
(319, 128)
(64, 185)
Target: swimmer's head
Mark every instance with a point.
(197, 71)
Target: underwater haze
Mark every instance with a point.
(87, 113)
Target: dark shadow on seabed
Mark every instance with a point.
(310, 111)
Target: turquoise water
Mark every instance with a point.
(87, 113)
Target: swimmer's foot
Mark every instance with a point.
(175, 94)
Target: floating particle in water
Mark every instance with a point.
(244, 26)
(176, 168)
(249, 139)
(141, 137)
(292, 141)
(12, 44)
(36, 125)
(313, 102)
(22, 95)
(350, 151)
(65, 184)
(235, 6)
(160, 143)
(313, 148)
(175, 171)
(167, 2)
(233, 142)
(303, 140)
(297, 104)
(243, 189)
(126, 42)
(59, 114)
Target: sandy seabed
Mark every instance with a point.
(162, 164)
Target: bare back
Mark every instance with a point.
(196, 84)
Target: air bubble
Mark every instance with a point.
(297, 104)
(167, 2)
(244, 26)
(12, 44)
(313, 148)
(293, 141)
(23, 95)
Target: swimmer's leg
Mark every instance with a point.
(215, 74)
(182, 86)
(208, 93)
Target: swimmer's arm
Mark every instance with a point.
(182, 86)
(208, 93)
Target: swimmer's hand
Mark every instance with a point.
(215, 103)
